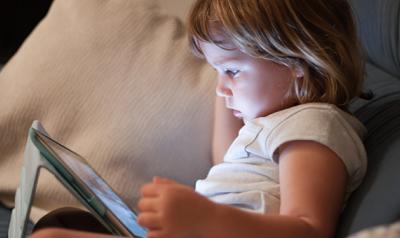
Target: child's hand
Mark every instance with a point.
(169, 209)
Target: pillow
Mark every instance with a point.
(177, 7)
(115, 82)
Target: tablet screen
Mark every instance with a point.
(82, 171)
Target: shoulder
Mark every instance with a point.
(311, 117)
(324, 124)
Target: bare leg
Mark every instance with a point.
(64, 233)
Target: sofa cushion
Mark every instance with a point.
(115, 82)
(379, 29)
(380, 83)
(377, 201)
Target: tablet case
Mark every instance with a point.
(33, 162)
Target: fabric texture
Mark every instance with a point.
(384, 231)
(377, 201)
(379, 30)
(249, 176)
(114, 81)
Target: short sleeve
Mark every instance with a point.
(327, 126)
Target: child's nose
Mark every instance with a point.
(222, 88)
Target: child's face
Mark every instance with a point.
(252, 87)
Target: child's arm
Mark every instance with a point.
(312, 181)
(226, 128)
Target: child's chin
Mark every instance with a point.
(238, 114)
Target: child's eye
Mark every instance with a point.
(231, 73)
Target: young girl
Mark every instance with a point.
(287, 70)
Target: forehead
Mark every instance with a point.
(218, 54)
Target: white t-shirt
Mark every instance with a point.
(249, 176)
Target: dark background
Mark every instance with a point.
(17, 20)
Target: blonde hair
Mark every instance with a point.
(317, 36)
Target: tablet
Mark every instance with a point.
(88, 186)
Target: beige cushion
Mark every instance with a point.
(177, 8)
(114, 81)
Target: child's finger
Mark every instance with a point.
(149, 220)
(149, 190)
(161, 180)
(155, 234)
(148, 205)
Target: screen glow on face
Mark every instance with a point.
(81, 169)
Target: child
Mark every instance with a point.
(287, 69)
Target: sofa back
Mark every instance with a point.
(377, 201)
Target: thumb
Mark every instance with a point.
(161, 180)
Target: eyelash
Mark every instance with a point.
(231, 73)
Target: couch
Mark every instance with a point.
(377, 201)
(114, 81)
